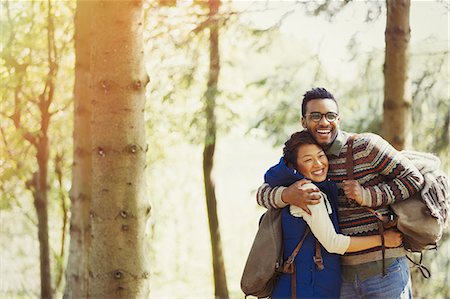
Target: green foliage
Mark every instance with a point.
(178, 47)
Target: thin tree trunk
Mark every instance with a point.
(42, 156)
(41, 205)
(220, 281)
(118, 266)
(397, 98)
(80, 193)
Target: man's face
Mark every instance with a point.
(323, 131)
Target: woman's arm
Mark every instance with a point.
(321, 226)
(392, 238)
(323, 229)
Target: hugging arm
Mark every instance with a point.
(279, 197)
(323, 229)
(401, 178)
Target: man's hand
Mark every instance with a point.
(300, 196)
(353, 190)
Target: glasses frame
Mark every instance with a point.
(333, 115)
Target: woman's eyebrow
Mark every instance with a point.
(310, 155)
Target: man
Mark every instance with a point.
(382, 176)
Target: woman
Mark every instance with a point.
(303, 158)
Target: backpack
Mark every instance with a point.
(265, 260)
(423, 217)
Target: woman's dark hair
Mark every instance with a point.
(291, 147)
(314, 94)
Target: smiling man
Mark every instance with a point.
(381, 177)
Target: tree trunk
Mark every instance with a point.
(41, 205)
(80, 193)
(397, 99)
(220, 281)
(118, 266)
(42, 157)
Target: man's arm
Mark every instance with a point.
(401, 178)
(270, 197)
(279, 197)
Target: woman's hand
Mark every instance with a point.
(393, 238)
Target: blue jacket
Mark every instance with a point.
(311, 283)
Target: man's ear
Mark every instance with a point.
(303, 122)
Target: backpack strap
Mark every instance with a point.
(318, 257)
(289, 266)
(381, 219)
(423, 269)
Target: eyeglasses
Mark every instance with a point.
(317, 116)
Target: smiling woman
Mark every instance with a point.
(309, 159)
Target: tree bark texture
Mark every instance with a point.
(397, 98)
(118, 266)
(220, 281)
(80, 193)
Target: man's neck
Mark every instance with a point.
(338, 143)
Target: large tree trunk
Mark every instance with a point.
(118, 266)
(397, 99)
(220, 281)
(80, 193)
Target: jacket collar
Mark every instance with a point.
(338, 143)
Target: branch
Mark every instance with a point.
(5, 141)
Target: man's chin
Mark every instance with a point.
(323, 142)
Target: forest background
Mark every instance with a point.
(270, 53)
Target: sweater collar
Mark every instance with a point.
(338, 143)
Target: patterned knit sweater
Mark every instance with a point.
(386, 177)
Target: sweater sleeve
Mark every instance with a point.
(401, 178)
(322, 227)
(270, 197)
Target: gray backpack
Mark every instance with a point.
(265, 258)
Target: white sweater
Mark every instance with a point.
(321, 225)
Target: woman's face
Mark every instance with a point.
(312, 162)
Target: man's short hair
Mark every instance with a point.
(314, 94)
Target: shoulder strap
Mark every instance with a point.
(287, 267)
(350, 174)
(349, 157)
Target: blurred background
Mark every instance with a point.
(271, 52)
